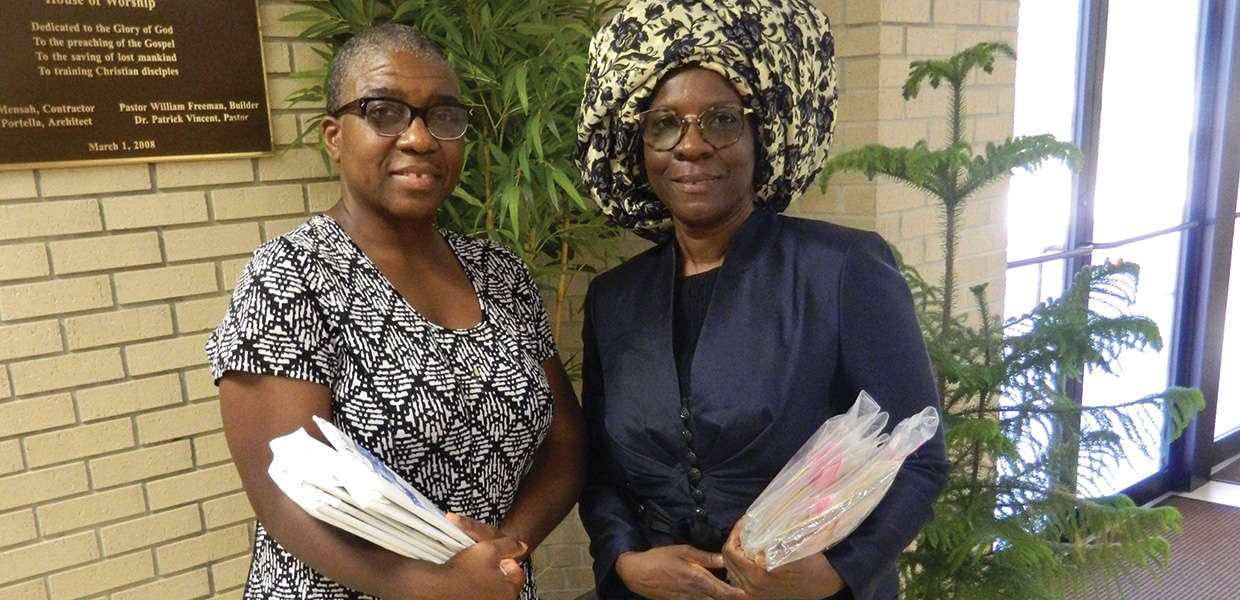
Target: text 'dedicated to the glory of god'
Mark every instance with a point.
(128, 80)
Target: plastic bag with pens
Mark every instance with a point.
(832, 483)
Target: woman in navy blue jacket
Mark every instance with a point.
(712, 357)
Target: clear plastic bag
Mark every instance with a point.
(832, 483)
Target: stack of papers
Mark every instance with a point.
(832, 483)
(346, 486)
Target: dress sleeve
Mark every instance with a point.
(605, 513)
(882, 352)
(276, 324)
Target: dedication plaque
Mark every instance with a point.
(86, 81)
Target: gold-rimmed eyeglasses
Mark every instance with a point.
(721, 126)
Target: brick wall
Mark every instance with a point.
(115, 481)
(875, 40)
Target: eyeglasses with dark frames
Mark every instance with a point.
(390, 117)
(721, 126)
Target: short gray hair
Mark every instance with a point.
(389, 37)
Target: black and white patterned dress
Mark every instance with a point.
(457, 413)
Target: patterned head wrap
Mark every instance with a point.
(778, 53)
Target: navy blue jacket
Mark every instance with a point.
(803, 316)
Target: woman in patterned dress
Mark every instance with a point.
(713, 356)
(430, 349)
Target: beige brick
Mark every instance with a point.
(150, 530)
(166, 355)
(36, 414)
(862, 73)
(214, 545)
(930, 41)
(209, 172)
(201, 315)
(91, 510)
(179, 422)
(154, 210)
(105, 253)
(128, 397)
(79, 442)
(119, 326)
(279, 227)
(60, 372)
(274, 24)
(231, 572)
(47, 557)
(904, 11)
(211, 242)
(284, 129)
(192, 487)
(11, 457)
(101, 576)
(302, 163)
(834, 9)
(23, 261)
(957, 12)
(306, 56)
(896, 133)
(165, 282)
(236, 594)
(322, 195)
(17, 527)
(993, 129)
(55, 297)
(96, 180)
(277, 57)
(210, 449)
(200, 384)
(262, 201)
(194, 584)
(580, 579)
(5, 389)
(862, 106)
(930, 104)
(919, 222)
(862, 11)
(141, 464)
(40, 219)
(231, 271)
(281, 88)
(227, 510)
(17, 184)
(1000, 14)
(30, 339)
(31, 590)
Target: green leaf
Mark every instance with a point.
(522, 73)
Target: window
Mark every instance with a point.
(1130, 202)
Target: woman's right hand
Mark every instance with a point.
(678, 572)
(489, 569)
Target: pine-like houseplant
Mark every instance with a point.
(522, 66)
(1015, 522)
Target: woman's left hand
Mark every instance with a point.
(810, 578)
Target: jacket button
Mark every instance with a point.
(695, 475)
(686, 435)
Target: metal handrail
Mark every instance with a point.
(1088, 248)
